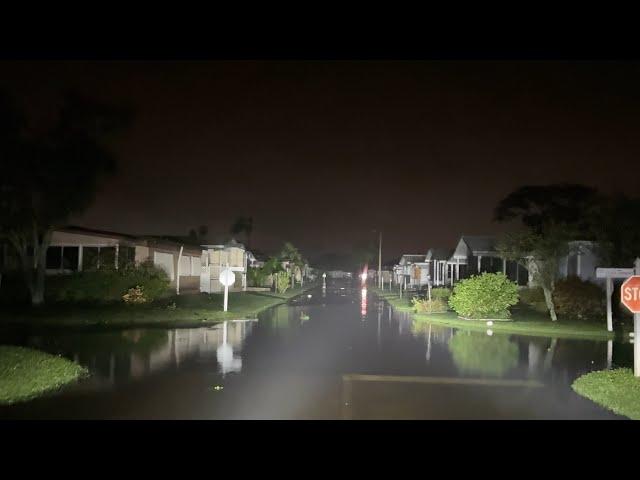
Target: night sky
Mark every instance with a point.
(321, 153)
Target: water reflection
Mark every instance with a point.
(133, 354)
(477, 353)
(363, 303)
(224, 354)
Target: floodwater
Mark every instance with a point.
(334, 353)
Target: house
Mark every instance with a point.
(581, 261)
(411, 269)
(254, 261)
(478, 254)
(75, 249)
(218, 256)
(437, 260)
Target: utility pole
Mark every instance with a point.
(380, 262)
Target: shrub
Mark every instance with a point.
(440, 293)
(576, 299)
(108, 285)
(283, 281)
(135, 295)
(256, 277)
(423, 305)
(534, 298)
(489, 295)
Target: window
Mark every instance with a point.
(107, 257)
(70, 258)
(89, 258)
(572, 265)
(54, 258)
(126, 256)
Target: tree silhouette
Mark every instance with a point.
(243, 225)
(52, 174)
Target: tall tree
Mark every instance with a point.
(617, 230)
(290, 254)
(560, 204)
(540, 253)
(50, 174)
(271, 267)
(243, 225)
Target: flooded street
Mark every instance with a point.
(338, 353)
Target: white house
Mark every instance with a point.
(581, 261)
(437, 260)
(413, 269)
(218, 256)
(74, 249)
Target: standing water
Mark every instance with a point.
(334, 353)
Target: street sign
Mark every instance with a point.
(227, 277)
(614, 272)
(630, 294)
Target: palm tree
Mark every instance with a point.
(292, 255)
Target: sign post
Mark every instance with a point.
(610, 274)
(227, 278)
(630, 297)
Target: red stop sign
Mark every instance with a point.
(630, 293)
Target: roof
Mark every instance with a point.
(147, 240)
(185, 242)
(439, 253)
(412, 258)
(224, 241)
(480, 243)
(99, 233)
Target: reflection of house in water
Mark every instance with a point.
(184, 345)
(134, 354)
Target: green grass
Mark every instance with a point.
(616, 390)
(189, 311)
(26, 373)
(525, 321)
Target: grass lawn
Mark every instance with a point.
(189, 311)
(27, 373)
(525, 321)
(616, 390)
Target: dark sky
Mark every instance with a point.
(321, 153)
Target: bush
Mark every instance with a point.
(489, 295)
(423, 305)
(108, 285)
(534, 298)
(440, 293)
(256, 277)
(135, 295)
(283, 281)
(576, 299)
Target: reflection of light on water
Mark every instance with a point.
(363, 304)
(224, 354)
